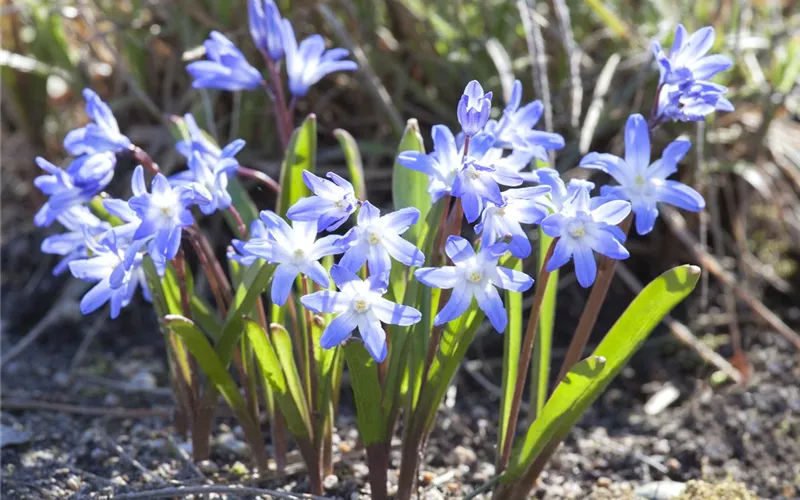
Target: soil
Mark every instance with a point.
(55, 447)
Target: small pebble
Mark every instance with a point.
(111, 399)
(61, 379)
(603, 482)
(453, 487)
(119, 481)
(673, 464)
(143, 380)
(330, 482)
(208, 467)
(345, 447)
(433, 495)
(661, 447)
(427, 477)
(239, 469)
(463, 455)
(73, 483)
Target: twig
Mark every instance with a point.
(700, 137)
(92, 332)
(677, 223)
(682, 332)
(118, 412)
(260, 177)
(183, 491)
(65, 307)
(132, 461)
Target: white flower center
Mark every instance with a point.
(299, 253)
(339, 204)
(374, 238)
(576, 229)
(360, 305)
(474, 276)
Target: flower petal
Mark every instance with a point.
(437, 277)
(282, 282)
(460, 300)
(516, 281)
(490, 303)
(458, 249)
(326, 301)
(338, 330)
(637, 143)
(395, 314)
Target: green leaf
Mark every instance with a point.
(512, 342)
(409, 187)
(352, 156)
(588, 379)
(283, 348)
(543, 342)
(213, 367)
(301, 154)
(253, 285)
(366, 392)
(271, 368)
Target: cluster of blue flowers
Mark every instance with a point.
(484, 167)
(306, 63)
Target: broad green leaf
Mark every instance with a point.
(587, 380)
(609, 18)
(301, 154)
(543, 342)
(512, 342)
(253, 285)
(214, 369)
(366, 392)
(352, 156)
(790, 70)
(274, 377)
(409, 187)
(283, 348)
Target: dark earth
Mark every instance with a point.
(102, 428)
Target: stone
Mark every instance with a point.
(73, 483)
(11, 436)
(331, 482)
(463, 455)
(660, 490)
(208, 467)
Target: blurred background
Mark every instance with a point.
(589, 61)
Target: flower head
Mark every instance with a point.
(515, 129)
(310, 62)
(163, 213)
(225, 69)
(212, 173)
(687, 61)
(644, 184)
(295, 249)
(85, 177)
(377, 239)
(691, 102)
(580, 230)
(473, 108)
(475, 177)
(265, 28)
(333, 202)
(529, 205)
(100, 136)
(474, 275)
(237, 252)
(114, 267)
(71, 244)
(359, 304)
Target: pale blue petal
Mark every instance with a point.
(437, 277)
(374, 337)
(355, 257)
(637, 142)
(490, 303)
(317, 273)
(460, 300)
(585, 265)
(378, 260)
(326, 301)
(282, 281)
(609, 246)
(341, 276)
(403, 250)
(458, 249)
(338, 330)
(395, 314)
(681, 196)
(562, 253)
(612, 212)
(96, 297)
(367, 214)
(515, 281)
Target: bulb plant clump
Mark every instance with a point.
(327, 279)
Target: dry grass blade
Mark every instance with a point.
(574, 56)
(677, 224)
(598, 102)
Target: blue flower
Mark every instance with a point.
(581, 229)
(528, 205)
(474, 276)
(211, 173)
(474, 177)
(237, 252)
(359, 304)
(163, 213)
(295, 249)
(71, 244)
(377, 239)
(114, 267)
(691, 102)
(515, 130)
(265, 27)
(333, 202)
(102, 135)
(85, 177)
(473, 108)
(310, 62)
(687, 61)
(644, 184)
(225, 69)
(197, 141)
(560, 193)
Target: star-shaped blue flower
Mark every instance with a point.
(359, 305)
(100, 136)
(334, 201)
(473, 108)
(644, 184)
(474, 276)
(226, 67)
(309, 62)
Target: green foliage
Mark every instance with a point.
(410, 188)
(367, 393)
(301, 154)
(588, 379)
